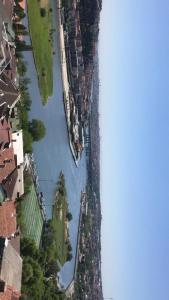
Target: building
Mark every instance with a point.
(9, 95)
(7, 163)
(5, 134)
(14, 184)
(6, 34)
(8, 225)
(17, 142)
(10, 271)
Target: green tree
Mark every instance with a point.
(69, 216)
(22, 67)
(29, 248)
(27, 273)
(37, 129)
(69, 256)
(43, 12)
(27, 141)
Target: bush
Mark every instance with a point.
(27, 141)
(43, 12)
(69, 216)
(37, 129)
(69, 256)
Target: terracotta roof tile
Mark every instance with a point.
(8, 223)
(5, 133)
(9, 294)
(8, 91)
(10, 183)
(7, 163)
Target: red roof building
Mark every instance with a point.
(7, 163)
(5, 134)
(9, 294)
(8, 225)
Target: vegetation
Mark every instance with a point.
(56, 237)
(36, 285)
(37, 129)
(40, 266)
(40, 26)
(18, 10)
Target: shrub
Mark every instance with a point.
(43, 12)
(37, 129)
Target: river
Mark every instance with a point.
(53, 154)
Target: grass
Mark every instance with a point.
(42, 47)
(59, 223)
(32, 217)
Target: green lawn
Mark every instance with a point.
(42, 48)
(59, 220)
(32, 217)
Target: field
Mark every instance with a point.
(60, 224)
(40, 31)
(31, 214)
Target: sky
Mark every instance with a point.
(134, 122)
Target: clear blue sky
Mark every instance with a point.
(134, 109)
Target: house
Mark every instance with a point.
(9, 294)
(5, 51)
(7, 163)
(8, 225)
(6, 33)
(11, 161)
(10, 270)
(5, 134)
(17, 142)
(14, 184)
(9, 95)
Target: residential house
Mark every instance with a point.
(8, 225)
(14, 184)
(9, 95)
(10, 270)
(7, 163)
(17, 142)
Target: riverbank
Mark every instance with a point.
(67, 94)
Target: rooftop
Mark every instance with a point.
(10, 265)
(7, 163)
(5, 133)
(9, 184)
(8, 91)
(9, 294)
(17, 141)
(8, 224)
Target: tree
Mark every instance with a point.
(43, 12)
(69, 247)
(29, 248)
(27, 141)
(37, 129)
(19, 11)
(27, 273)
(69, 256)
(69, 216)
(22, 67)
